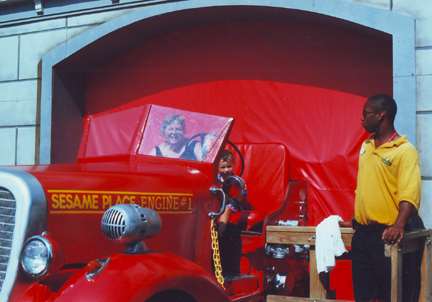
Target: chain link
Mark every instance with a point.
(216, 254)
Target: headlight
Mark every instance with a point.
(41, 256)
(36, 256)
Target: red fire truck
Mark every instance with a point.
(123, 224)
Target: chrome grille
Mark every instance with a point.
(7, 224)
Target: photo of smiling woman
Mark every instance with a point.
(173, 129)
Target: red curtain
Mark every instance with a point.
(300, 84)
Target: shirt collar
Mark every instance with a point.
(401, 140)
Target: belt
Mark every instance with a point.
(368, 228)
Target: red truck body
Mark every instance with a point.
(64, 204)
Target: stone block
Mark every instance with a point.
(424, 92)
(18, 90)
(423, 32)
(97, 18)
(377, 3)
(18, 103)
(26, 145)
(16, 113)
(33, 27)
(404, 92)
(8, 58)
(426, 204)
(424, 143)
(424, 61)
(75, 31)
(421, 10)
(7, 147)
(33, 47)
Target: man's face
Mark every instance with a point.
(370, 118)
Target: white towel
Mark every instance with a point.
(328, 243)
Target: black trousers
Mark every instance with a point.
(371, 270)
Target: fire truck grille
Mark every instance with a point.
(113, 224)
(7, 223)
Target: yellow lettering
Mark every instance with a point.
(95, 202)
(69, 200)
(169, 203)
(151, 203)
(106, 201)
(77, 202)
(62, 201)
(144, 201)
(176, 205)
(54, 199)
(158, 203)
(86, 202)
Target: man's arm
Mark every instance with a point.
(396, 232)
(348, 223)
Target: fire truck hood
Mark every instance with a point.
(77, 195)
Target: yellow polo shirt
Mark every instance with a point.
(387, 175)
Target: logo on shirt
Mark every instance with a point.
(386, 161)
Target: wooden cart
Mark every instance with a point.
(412, 241)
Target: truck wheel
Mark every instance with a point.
(172, 296)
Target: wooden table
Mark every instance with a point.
(412, 241)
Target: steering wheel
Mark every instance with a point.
(205, 149)
(201, 135)
(240, 155)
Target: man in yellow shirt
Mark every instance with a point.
(387, 195)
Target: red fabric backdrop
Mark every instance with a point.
(300, 84)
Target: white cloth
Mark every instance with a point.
(328, 244)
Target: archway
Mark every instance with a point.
(64, 68)
(85, 61)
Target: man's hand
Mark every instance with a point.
(396, 232)
(393, 234)
(346, 224)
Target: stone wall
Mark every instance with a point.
(26, 35)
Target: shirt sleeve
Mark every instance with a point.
(409, 184)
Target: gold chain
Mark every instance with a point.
(216, 254)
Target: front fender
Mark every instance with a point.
(139, 277)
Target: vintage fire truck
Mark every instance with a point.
(122, 224)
